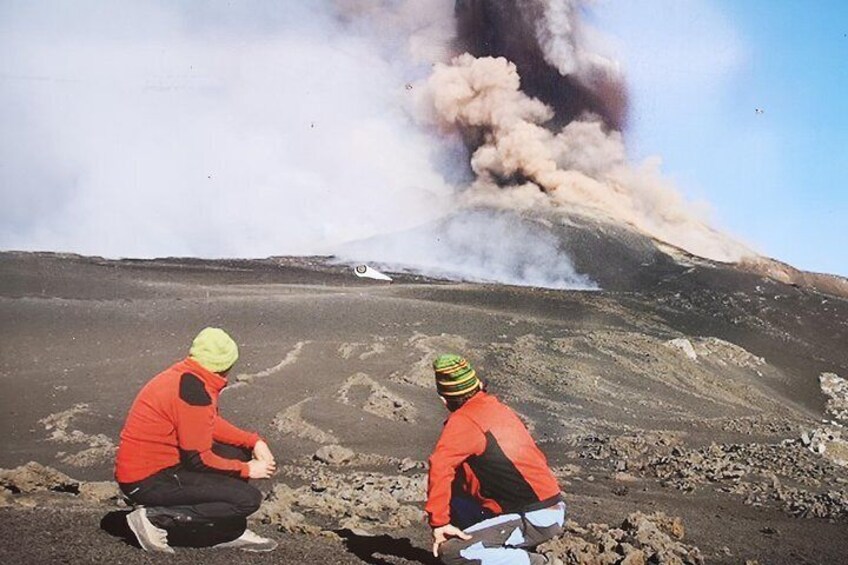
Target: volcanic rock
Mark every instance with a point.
(641, 538)
(100, 491)
(334, 455)
(35, 477)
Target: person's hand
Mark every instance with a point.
(262, 452)
(258, 469)
(442, 533)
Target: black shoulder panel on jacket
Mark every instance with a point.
(500, 479)
(193, 392)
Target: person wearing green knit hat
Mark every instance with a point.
(214, 349)
(186, 467)
(491, 497)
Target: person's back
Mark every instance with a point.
(148, 437)
(187, 393)
(505, 471)
(486, 459)
(185, 466)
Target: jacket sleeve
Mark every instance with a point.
(225, 432)
(461, 438)
(195, 425)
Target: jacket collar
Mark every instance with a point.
(213, 381)
(474, 400)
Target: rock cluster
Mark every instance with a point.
(364, 502)
(628, 451)
(832, 504)
(23, 484)
(35, 477)
(760, 424)
(836, 389)
(827, 441)
(640, 539)
(786, 474)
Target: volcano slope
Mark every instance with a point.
(687, 395)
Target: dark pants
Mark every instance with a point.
(466, 512)
(506, 539)
(198, 508)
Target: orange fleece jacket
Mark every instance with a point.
(498, 462)
(174, 419)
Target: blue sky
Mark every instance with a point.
(699, 69)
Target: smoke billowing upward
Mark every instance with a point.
(544, 41)
(269, 128)
(545, 116)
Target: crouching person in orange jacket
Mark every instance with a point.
(491, 497)
(187, 465)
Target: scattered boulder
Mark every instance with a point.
(827, 441)
(100, 491)
(334, 455)
(685, 346)
(277, 510)
(35, 477)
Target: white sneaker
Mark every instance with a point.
(249, 541)
(149, 536)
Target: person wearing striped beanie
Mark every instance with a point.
(491, 497)
(456, 379)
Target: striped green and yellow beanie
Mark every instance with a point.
(454, 376)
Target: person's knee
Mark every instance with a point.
(552, 531)
(450, 552)
(249, 501)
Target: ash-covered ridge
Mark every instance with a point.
(695, 412)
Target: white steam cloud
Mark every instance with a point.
(205, 129)
(480, 245)
(212, 129)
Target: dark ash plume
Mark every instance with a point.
(541, 112)
(542, 39)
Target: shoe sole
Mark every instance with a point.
(247, 546)
(136, 524)
(259, 549)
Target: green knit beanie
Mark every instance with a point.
(454, 375)
(214, 349)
